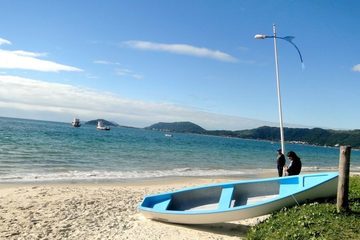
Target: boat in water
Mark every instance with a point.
(101, 126)
(233, 201)
(168, 135)
(76, 122)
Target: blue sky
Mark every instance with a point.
(141, 62)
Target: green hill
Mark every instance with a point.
(314, 136)
(182, 127)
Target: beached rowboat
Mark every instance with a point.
(237, 200)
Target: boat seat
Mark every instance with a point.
(162, 206)
(225, 198)
(309, 181)
(290, 185)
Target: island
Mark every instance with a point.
(180, 127)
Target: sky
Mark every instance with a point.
(140, 62)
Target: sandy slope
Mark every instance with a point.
(97, 211)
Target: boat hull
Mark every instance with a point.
(103, 128)
(268, 195)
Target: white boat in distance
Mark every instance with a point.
(233, 201)
(76, 122)
(101, 126)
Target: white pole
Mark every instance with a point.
(278, 93)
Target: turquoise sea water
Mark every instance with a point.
(50, 151)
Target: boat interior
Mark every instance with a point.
(223, 197)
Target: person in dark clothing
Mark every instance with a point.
(294, 167)
(280, 161)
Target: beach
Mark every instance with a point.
(105, 210)
(60, 182)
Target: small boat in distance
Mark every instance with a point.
(168, 135)
(232, 201)
(101, 126)
(76, 122)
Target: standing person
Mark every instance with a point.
(280, 161)
(294, 167)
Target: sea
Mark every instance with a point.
(42, 151)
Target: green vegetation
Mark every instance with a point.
(313, 221)
(314, 136)
(182, 127)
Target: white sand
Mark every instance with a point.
(98, 211)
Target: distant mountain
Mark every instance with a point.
(106, 123)
(182, 127)
(314, 136)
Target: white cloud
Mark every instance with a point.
(183, 49)
(20, 59)
(28, 60)
(91, 76)
(23, 97)
(105, 62)
(28, 54)
(356, 68)
(4, 41)
(122, 72)
(128, 73)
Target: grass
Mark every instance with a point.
(313, 221)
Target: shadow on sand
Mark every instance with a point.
(226, 229)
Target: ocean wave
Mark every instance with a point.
(119, 175)
(147, 174)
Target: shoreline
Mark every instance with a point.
(159, 181)
(153, 181)
(121, 177)
(245, 174)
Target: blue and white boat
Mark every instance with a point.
(233, 201)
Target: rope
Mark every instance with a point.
(295, 200)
